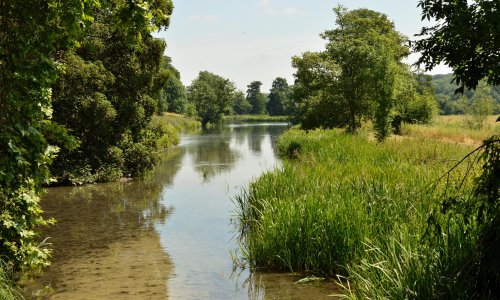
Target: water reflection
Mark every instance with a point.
(105, 242)
(285, 286)
(168, 237)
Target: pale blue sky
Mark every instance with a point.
(247, 40)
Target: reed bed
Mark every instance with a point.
(343, 205)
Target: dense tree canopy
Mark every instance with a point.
(448, 100)
(172, 96)
(92, 41)
(354, 78)
(466, 38)
(241, 105)
(108, 94)
(256, 98)
(279, 95)
(212, 96)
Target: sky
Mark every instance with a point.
(249, 40)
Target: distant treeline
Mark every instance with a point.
(450, 103)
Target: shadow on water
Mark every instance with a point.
(169, 236)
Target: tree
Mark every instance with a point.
(414, 101)
(109, 92)
(31, 34)
(353, 79)
(256, 98)
(212, 95)
(479, 107)
(240, 104)
(278, 97)
(175, 95)
(466, 38)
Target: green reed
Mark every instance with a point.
(345, 205)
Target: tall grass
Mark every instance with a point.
(8, 290)
(454, 129)
(343, 205)
(180, 122)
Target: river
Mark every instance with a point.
(167, 236)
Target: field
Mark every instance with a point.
(374, 214)
(454, 129)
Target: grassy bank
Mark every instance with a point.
(181, 123)
(345, 205)
(255, 118)
(172, 125)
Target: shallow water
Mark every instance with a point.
(169, 236)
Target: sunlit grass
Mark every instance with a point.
(180, 122)
(453, 129)
(344, 204)
(8, 291)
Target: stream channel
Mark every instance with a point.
(170, 236)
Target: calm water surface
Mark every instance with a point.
(169, 236)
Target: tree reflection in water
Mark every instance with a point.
(105, 243)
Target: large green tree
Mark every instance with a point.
(32, 32)
(466, 37)
(354, 78)
(172, 96)
(241, 105)
(278, 97)
(256, 98)
(108, 93)
(212, 96)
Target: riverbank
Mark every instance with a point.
(255, 118)
(344, 205)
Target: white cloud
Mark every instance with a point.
(264, 3)
(204, 19)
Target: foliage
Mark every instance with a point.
(466, 38)
(448, 100)
(279, 102)
(414, 101)
(478, 108)
(353, 79)
(106, 95)
(256, 98)
(27, 71)
(173, 97)
(212, 96)
(241, 106)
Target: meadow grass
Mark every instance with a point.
(255, 118)
(346, 205)
(454, 129)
